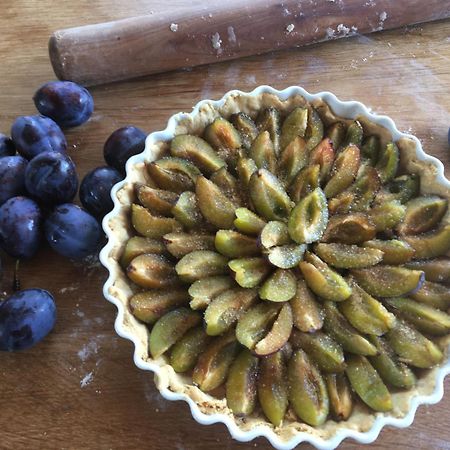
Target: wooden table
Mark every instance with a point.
(80, 388)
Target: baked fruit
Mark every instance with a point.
(288, 262)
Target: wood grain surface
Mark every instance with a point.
(79, 389)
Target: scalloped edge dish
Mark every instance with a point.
(362, 426)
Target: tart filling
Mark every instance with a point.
(285, 263)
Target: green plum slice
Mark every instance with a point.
(433, 294)
(228, 184)
(387, 215)
(437, 270)
(149, 306)
(213, 364)
(390, 368)
(249, 272)
(314, 130)
(322, 280)
(370, 149)
(241, 391)
(198, 151)
(405, 187)
(309, 219)
(268, 196)
(269, 120)
(278, 334)
(336, 133)
(395, 251)
(186, 210)
(344, 171)
(158, 201)
(306, 181)
(367, 383)
(262, 151)
(366, 314)
(180, 244)
(340, 395)
(274, 233)
(226, 308)
(359, 196)
(248, 222)
(354, 134)
(412, 347)
(294, 125)
(204, 290)
(323, 155)
(365, 188)
(425, 318)
(388, 281)
(430, 245)
(245, 168)
(337, 326)
(201, 264)
(307, 314)
(352, 228)
(279, 287)
(186, 351)
(151, 226)
(151, 271)
(235, 245)
(246, 128)
(272, 387)
(322, 349)
(423, 214)
(286, 256)
(388, 162)
(214, 205)
(221, 134)
(138, 245)
(311, 404)
(345, 256)
(170, 328)
(293, 158)
(256, 323)
(174, 174)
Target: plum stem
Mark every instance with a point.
(16, 279)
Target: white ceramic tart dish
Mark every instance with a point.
(363, 425)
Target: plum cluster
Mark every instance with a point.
(38, 183)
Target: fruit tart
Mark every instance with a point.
(281, 259)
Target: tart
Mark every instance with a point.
(284, 266)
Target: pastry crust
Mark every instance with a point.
(362, 419)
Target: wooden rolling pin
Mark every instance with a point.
(228, 29)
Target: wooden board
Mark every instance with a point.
(80, 388)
